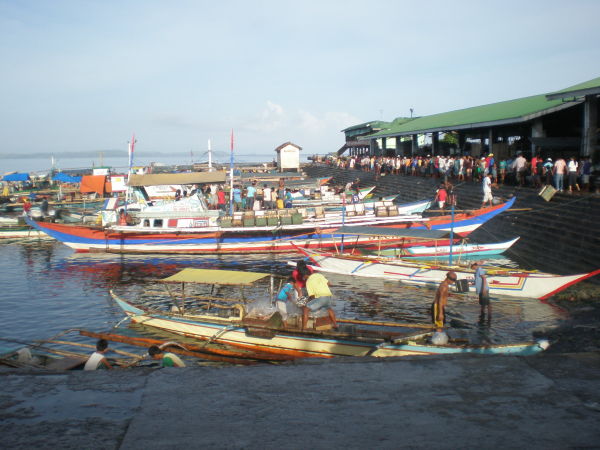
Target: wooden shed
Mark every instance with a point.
(288, 157)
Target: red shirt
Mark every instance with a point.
(221, 197)
(301, 282)
(442, 195)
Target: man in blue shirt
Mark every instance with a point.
(237, 197)
(250, 192)
(482, 289)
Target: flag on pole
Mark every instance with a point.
(131, 147)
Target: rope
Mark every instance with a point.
(546, 208)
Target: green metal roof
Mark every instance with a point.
(591, 87)
(585, 85)
(506, 112)
(372, 124)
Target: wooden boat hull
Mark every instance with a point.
(22, 232)
(267, 239)
(514, 283)
(281, 342)
(459, 250)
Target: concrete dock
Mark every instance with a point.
(539, 402)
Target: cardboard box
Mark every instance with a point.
(547, 192)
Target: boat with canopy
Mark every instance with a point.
(206, 305)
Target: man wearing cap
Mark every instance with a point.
(482, 289)
(438, 307)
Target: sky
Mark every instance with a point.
(80, 77)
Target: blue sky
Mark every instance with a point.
(81, 76)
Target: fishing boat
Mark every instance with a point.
(461, 249)
(196, 311)
(177, 231)
(58, 353)
(504, 282)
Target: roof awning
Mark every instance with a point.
(16, 177)
(210, 276)
(394, 232)
(162, 179)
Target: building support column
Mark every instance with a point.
(462, 139)
(491, 140)
(415, 144)
(435, 139)
(537, 130)
(590, 125)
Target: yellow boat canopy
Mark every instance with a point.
(210, 276)
(161, 179)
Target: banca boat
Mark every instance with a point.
(509, 282)
(225, 320)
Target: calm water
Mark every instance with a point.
(46, 288)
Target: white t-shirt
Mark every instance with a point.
(573, 166)
(487, 185)
(94, 361)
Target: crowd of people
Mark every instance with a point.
(251, 196)
(572, 174)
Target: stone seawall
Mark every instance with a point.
(560, 236)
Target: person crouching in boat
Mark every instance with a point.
(286, 300)
(300, 275)
(438, 307)
(319, 295)
(168, 359)
(97, 360)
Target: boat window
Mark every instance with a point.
(147, 222)
(158, 223)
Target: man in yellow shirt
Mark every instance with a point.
(317, 287)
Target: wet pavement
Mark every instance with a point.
(543, 401)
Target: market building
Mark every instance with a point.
(563, 122)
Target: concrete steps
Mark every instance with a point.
(561, 236)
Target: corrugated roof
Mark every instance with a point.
(379, 124)
(509, 111)
(585, 85)
(162, 179)
(210, 276)
(278, 149)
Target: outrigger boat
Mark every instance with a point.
(183, 232)
(508, 282)
(198, 311)
(460, 249)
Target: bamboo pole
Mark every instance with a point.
(385, 324)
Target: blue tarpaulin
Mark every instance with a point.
(64, 178)
(16, 177)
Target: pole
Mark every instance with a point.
(210, 168)
(451, 227)
(343, 218)
(230, 177)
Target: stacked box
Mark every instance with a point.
(297, 219)
(272, 221)
(381, 211)
(286, 220)
(261, 221)
(226, 221)
(248, 221)
(392, 211)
